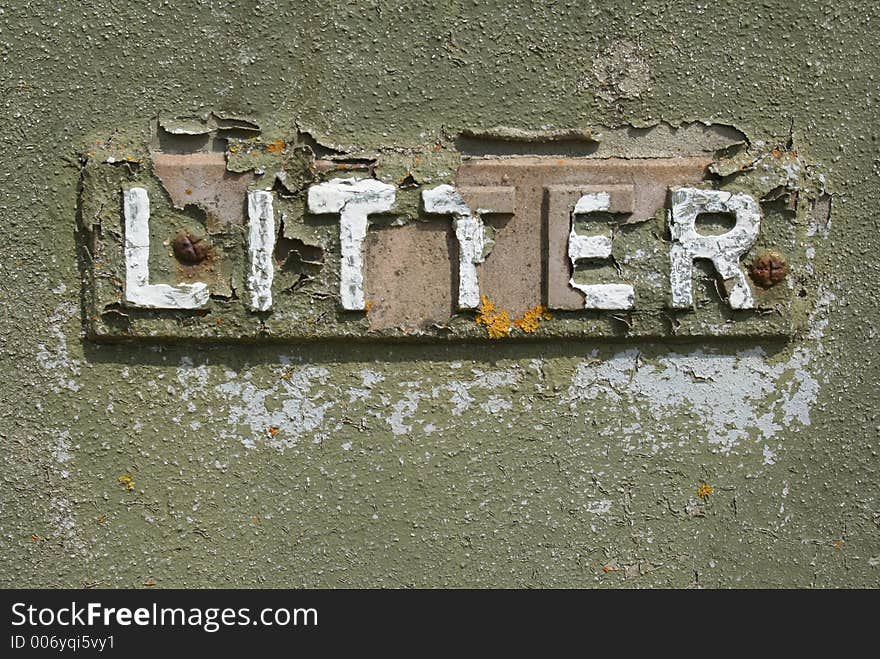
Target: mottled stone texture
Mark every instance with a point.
(725, 463)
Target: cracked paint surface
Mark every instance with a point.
(733, 462)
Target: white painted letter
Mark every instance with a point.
(724, 251)
(354, 199)
(444, 200)
(261, 244)
(596, 296)
(139, 292)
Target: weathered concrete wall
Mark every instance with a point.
(747, 463)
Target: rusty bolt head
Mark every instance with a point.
(190, 249)
(769, 269)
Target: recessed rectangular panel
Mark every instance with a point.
(518, 215)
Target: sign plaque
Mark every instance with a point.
(183, 247)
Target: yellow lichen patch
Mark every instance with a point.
(532, 318)
(275, 147)
(127, 481)
(498, 324)
(704, 491)
(496, 321)
(368, 305)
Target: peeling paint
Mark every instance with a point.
(501, 252)
(469, 233)
(596, 296)
(56, 359)
(724, 251)
(354, 199)
(139, 291)
(300, 413)
(261, 245)
(724, 396)
(621, 72)
(568, 462)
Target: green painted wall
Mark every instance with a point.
(502, 464)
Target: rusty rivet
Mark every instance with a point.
(769, 269)
(190, 249)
